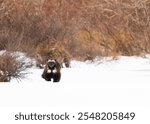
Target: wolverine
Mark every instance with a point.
(52, 70)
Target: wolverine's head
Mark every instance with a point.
(51, 63)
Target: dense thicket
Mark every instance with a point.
(81, 29)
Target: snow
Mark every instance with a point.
(122, 82)
(104, 83)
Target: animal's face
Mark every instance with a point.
(51, 64)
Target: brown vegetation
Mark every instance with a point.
(11, 67)
(80, 29)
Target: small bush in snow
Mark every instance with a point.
(11, 67)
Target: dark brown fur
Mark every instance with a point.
(50, 67)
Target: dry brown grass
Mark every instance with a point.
(51, 50)
(79, 28)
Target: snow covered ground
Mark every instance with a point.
(105, 82)
(105, 85)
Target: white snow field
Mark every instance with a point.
(105, 85)
(105, 82)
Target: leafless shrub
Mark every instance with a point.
(51, 50)
(93, 27)
(11, 67)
